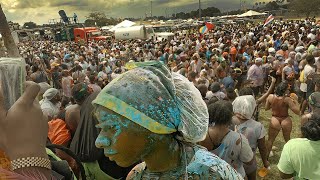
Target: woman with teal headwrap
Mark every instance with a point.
(152, 115)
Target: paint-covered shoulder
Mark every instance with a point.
(209, 166)
(136, 172)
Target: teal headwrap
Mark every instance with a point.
(161, 102)
(313, 101)
(81, 93)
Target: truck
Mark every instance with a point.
(88, 34)
(134, 32)
(164, 36)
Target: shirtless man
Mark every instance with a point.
(79, 92)
(280, 104)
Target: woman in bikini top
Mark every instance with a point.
(279, 107)
(280, 103)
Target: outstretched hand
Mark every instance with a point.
(23, 128)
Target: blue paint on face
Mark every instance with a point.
(111, 127)
(103, 141)
(110, 152)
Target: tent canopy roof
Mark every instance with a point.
(251, 13)
(123, 24)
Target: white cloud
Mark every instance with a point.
(28, 10)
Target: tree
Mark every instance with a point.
(208, 12)
(272, 6)
(99, 19)
(29, 25)
(303, 7)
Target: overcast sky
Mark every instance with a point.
(40, 11)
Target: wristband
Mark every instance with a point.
(30, 162)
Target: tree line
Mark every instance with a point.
(298, 7)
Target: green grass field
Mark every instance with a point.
(279, 142)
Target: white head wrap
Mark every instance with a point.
(50, 93)
(244, 105)
(193, 110)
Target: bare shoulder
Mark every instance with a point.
(73, 108)
(288, 100)
(73, 111)
(269, 98)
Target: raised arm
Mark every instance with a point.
(293, 105)
(25, 135)
(271, 88)
(268, 102)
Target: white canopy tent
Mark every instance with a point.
(251, 13)
(123, 24)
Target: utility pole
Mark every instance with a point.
(151, 8)
(166, 11)
(199, 9)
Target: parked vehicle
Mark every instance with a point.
(88, 34)
(134, 32)
(164, 36)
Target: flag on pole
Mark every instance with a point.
(203, 30)
(206, 28)
(209, 26)
(268, 20)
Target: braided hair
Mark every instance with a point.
(220, 113)
(281, 89)
(311, 129)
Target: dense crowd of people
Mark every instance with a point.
(187, 107)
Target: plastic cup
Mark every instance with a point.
(12, 78)
(263, 172)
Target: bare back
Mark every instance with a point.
(279, 107)
(73, 117)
